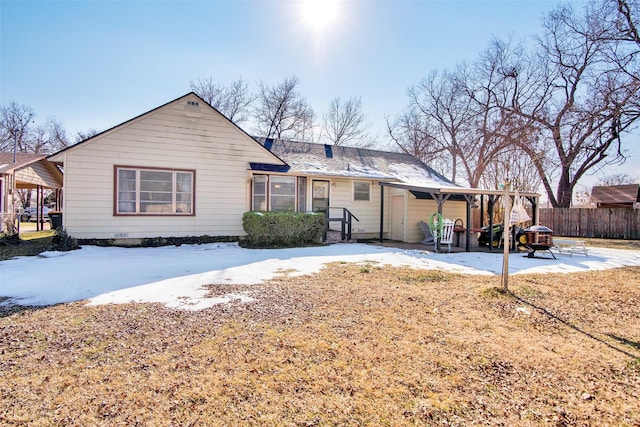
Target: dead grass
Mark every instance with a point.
(352, 345)
(633, 245)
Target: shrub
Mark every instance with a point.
(63, 242)
(282, 229)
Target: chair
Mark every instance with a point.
(428, 237)
(447, 233)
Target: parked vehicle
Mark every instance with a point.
(30, 214)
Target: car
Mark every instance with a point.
(30, 214)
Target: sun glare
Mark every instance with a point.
(320, 15)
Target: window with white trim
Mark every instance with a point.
(361, 191)
(278, 193)
(146, 191)
(260, 193)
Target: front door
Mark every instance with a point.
(320, 196)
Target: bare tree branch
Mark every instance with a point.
(234, 101)
(282, 113)
(343, 124)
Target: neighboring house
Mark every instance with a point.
(25, 172)
(616, 196)
(183, 169)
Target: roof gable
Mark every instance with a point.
(194, 107)
(336, 160)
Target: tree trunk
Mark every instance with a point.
(565, 190)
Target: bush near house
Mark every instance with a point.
(282, 229)
(34, 243)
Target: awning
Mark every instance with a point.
(454, 190)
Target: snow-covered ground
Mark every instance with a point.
(175, 275)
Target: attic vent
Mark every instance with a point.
(328, 150)
(268, 143)
(194, 103)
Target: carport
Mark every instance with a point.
(20, 171)
(442, 194)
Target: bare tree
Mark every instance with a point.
(50, 137)
(233, 101)
(18, 129)
(453, 119)
(629, 11)
(432, 123)
(581, 103)
(16, 122)
(344, 122)
(616, 179)
(446, 106)
(86, 134)
(515, 165)
(282, 113)
(413, 134)
(627, 27)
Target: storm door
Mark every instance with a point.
(320, 196)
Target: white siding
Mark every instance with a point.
(368, 213)
(169, 137)
(421, 210)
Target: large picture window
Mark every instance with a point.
(154, 191)
(278, 193)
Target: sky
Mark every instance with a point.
(95, 64)
(176, 276)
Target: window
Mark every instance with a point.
(302, 192)
(277, 193)
(260, 193)
(282, 193)
(361, 191)
(154, 191)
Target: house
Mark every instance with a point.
(183, 169)
(616, 196)
(20, 171)
(338, 178)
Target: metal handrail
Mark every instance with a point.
(345, 221)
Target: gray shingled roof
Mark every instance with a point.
(330, 160)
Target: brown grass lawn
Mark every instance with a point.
(351, 345)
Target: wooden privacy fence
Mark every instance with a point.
(584, 222)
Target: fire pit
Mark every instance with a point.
(537, 238)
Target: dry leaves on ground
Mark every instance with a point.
(351, 345)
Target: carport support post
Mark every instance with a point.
(534, 209)
(440, 199)
(505, 236)
(490, 203)
(381, 211)
(469, 198)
